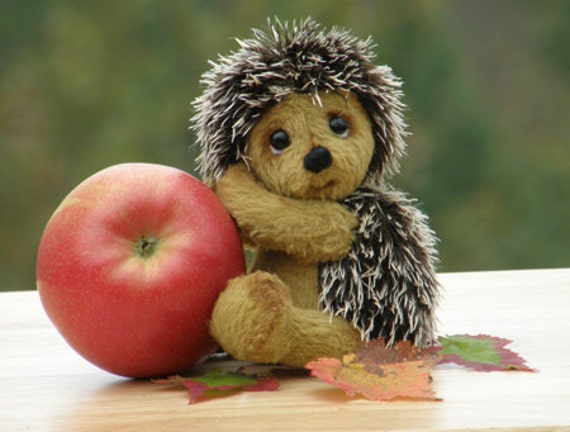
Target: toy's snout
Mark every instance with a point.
(317, 159)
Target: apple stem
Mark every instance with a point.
(145, 246)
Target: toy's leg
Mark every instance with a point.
(250, 318)
(316, 335)
(254, 320)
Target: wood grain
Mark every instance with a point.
(46, 386)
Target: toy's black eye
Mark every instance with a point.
(339, 126)
(279, 141)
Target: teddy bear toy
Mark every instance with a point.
(299, 133)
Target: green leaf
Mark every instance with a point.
(217, 378)
(219, 383)
(482, 353)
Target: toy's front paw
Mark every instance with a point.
(344, 223)
(251, 316)
(330, 239)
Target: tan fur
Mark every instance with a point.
(308, 126)
(292, 218)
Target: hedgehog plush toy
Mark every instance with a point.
(299, 133)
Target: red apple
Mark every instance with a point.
(130, 265)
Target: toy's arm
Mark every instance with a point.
(308, 230)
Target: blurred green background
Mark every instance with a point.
(88, 84)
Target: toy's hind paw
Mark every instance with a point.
(251, 317)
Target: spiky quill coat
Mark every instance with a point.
(386, 285)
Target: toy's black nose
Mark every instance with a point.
(317, 159)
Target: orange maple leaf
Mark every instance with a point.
(379, 373)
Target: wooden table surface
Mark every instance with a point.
(46, 386)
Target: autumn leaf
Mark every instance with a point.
(380, 373)
(375, 372)
(482, 353)
(217, 382)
